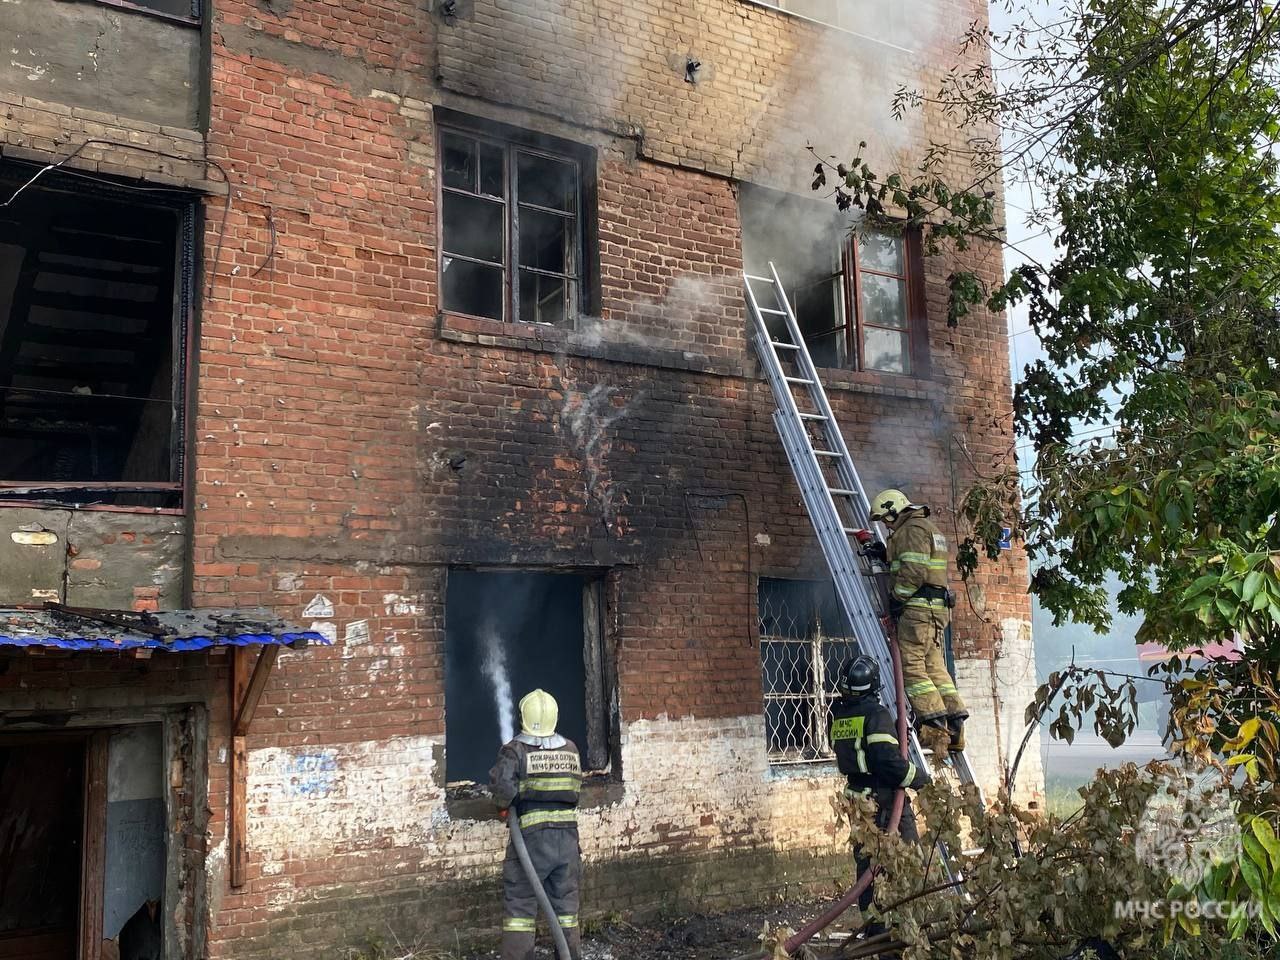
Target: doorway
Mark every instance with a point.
(82, 845)
(41, 847)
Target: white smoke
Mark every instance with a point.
(495, 668)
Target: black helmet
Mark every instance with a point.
(860, 677)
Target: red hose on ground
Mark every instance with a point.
(829, 915)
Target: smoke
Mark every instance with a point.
(494, 665)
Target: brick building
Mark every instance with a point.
(418, 325)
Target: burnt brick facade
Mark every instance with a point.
(350, 440)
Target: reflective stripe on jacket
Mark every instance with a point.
(541, 783)
(918, 558)
(865, 741)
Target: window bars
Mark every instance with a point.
(804, 642)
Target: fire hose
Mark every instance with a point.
(544, 902)
(833, 912)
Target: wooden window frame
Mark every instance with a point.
(916, 313)
(584, 295)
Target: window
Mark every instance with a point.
(855, 292)
(509, 632)
(512, 225)
(94, 293)
(804, 641)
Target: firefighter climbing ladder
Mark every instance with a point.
(837, 509)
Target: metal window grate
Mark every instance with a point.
(804, 641)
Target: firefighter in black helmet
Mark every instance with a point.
(865, 739)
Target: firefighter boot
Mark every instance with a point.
(935, 736)
(955, 724)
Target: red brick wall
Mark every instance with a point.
(351, 443)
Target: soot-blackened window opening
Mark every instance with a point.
(804, 641)
(94, 292)
(515, 224)
(856, 293)
(510, 632)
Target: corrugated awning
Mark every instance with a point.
(57, 627)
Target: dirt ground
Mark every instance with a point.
(688, 936)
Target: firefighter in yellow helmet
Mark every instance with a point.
(921, 604)
(537, 778)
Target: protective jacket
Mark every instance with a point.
(865, 740)
(538, 779)
(541, 778)
(918, 565)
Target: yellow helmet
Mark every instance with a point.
(887, 505)
(538, 714)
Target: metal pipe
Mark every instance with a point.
(544, 902)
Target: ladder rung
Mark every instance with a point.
(827, 453)
(779, 345)
(841, 492)
(776, 313)
(761, 279)
(812, 416)
(798, 380)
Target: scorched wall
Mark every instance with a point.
(353, 441)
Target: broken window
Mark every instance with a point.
(512, 228)
(510, 632)
(94, 291)
(804, 641)
(853, 291)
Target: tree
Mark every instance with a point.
(1150, 128)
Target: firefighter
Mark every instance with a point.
(537, 778)
(864, 736)
(921, 604)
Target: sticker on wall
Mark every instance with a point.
(320, 606)
(326, 629)
(1006, 538)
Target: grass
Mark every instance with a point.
(1060, 797)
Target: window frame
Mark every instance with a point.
(185, 207)
(584, 297)
(916, 318)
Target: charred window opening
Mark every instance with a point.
(855, 293)
(804, 641)
(94, 289)
(515, 225)
(510, 632)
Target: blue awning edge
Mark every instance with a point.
(174, 631)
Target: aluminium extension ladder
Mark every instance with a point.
(838, 509)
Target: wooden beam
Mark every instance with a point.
(93, 862)
(245, 694)
(238, 811)
(253, 693)
(237, 773)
